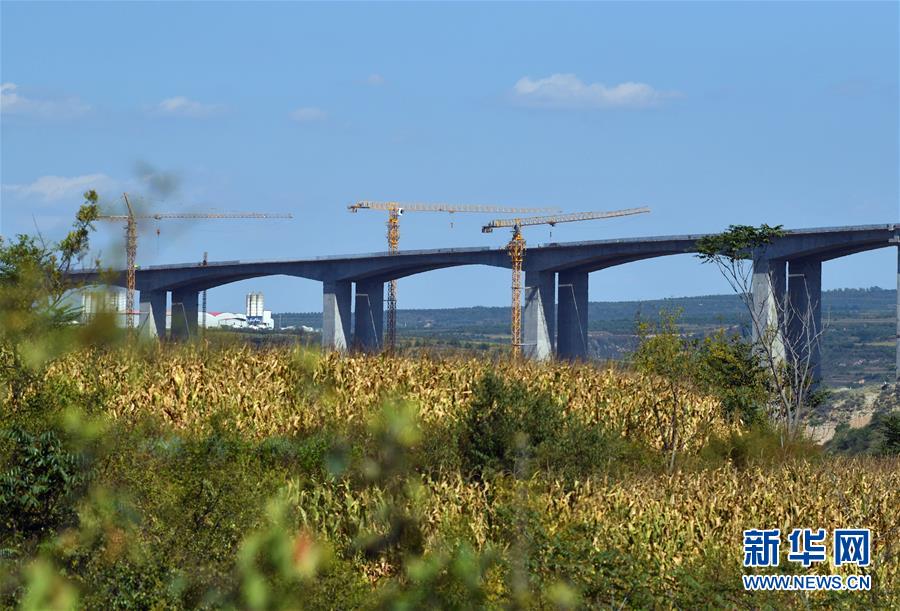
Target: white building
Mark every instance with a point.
(106, 300)
(96, 300)
(234, 320)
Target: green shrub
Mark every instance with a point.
(863, 440)
(730, 371)
(504, 421)
(308, 454)
(580, 449)
(40, 482)
(761, 444)
(444, 579)
(890, 431)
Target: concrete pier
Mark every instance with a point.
(768, 289)
(336, 315)
(185, 312)
(572, 315)
(804, 324)
(369, 319)
(539, 317)
(152, 320)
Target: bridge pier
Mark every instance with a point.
(152, 319)
(572, 315)
(768, 287)
(336, 315)
(369, 319)
(804, 314)
(185, 312)
(539, 317)
(897, 369)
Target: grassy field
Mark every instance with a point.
(246, 478)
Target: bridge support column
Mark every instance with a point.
(369, 315)
(804, 316)
(572, 315)
(539, 318)
(336, 315)
(185, 312)
(768, 286)
(152, 321)
(897, 370)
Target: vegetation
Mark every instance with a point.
(721, 366)
(220, 475)
(274, 479)
(784, 335)
(880, 437)
(33, 311)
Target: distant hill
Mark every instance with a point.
(858, 345)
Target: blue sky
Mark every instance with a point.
(709, 113)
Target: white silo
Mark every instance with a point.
(254, 308)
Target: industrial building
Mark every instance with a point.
(96, 300)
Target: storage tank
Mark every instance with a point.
(255, 308)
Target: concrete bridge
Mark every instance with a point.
(788, 271)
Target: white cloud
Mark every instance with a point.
(180, 106)
(308, 113)
(14, 102)
(375, 80)
(568, 91)
(53, 188)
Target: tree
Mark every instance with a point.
(730, 371)
(890, 431)
(34, 275)
(34, 282)
(663, 352)
(785, 337)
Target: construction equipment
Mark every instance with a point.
(395, 210)
(516, 250)
(131, 219)
(204, 263)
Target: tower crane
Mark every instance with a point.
(397, 209)
(130, 221)
(516, 250)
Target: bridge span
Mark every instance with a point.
(788, 271)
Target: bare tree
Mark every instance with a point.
(786, 335)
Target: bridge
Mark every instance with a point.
(788, 271)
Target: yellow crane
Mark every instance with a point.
(395, 210)
(516, 250)
(130, 221)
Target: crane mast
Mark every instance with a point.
(395, 210)
(131, 219)
(130, 262)
(516, 250)
(203, 305)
